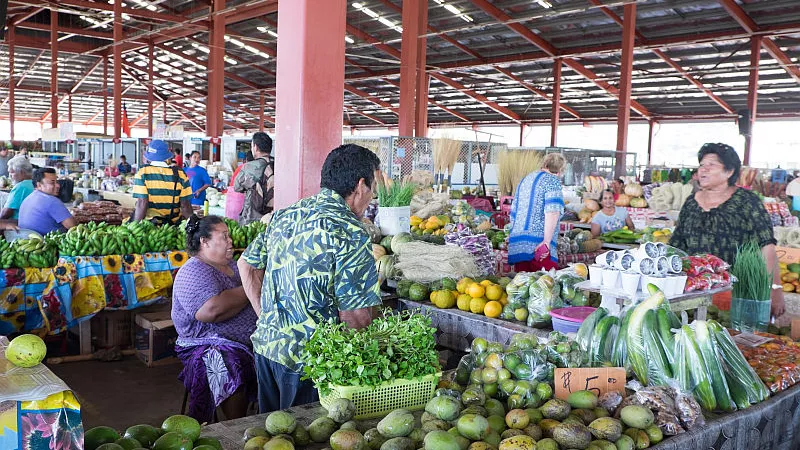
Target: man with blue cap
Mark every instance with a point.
(162, 192)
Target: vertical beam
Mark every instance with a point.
(105, 95)
(216, 72)
(626, 69)
(150, 90)
(521, 134)
(555, 113)
(409, 49)
(69, 107)
(164, 109)
(309, 101)
(261, 111)
(650, 124)
(54, 67)
(752, 94)
(423, 80)
(12, 36)
(117, 69)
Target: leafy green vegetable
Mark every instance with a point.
(753, 280)
(398, 194)
(397, 345)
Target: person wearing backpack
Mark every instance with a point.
(257, 181)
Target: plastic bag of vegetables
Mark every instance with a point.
(563, 352)
(571, 295)
(543, 296)
(698, 370)
(745, 385)
(517, 289)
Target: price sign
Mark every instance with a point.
(596, 379)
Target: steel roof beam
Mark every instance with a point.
(103, 6)
(230, 75)
(551, 51)
(17, 18)
(460, 116)
(480, 98)
(370, 98)
(251, 11)
(368, 116)
(536, 91)
(643, 40)
(749, 25)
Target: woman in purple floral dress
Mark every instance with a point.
(214, 321)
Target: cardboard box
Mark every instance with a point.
(112, 329)
(155, 338)
(788, 255)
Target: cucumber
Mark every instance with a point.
(585, 332)
(665, 334)
(718, 382)
(599, 354)
(659, 369)
(696, 365)
(635, 343)
(619, 355)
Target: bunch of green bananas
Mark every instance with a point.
(31, 252)
(252, 230)
(236, 233)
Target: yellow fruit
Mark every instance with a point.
(486, 283)
(521, 314)
(431, 226)
(414, 220)
(463, 284)
(463, 302)
(581, 270)
(504, 299)
(493, 309)
(431, 295)
(443, 299)
(477, 304)
(494, 292)
(454, 294)
(475, 290)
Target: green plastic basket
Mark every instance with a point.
(380, 400)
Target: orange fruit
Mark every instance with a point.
(494, 292)
(477, 304)
(504, 299)
(454, 294)
(463, 284)
(486, 283)
(493, 309)
(443, 299)
(475, 290)
(463, 302)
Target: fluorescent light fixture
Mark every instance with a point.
(370, 13)
(231, 61)
(272, 33)
(349, 40)
(455, 11)
(544, 4)
(387, 22)
(262, 29)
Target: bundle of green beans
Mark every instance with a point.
(753, 279)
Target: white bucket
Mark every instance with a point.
(394, 220)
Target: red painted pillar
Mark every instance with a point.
(69, 108)
(54, 68)
(261, 111)
(117, 69)
(105, 95)
(423, 79)
(410, 58)
(650, 124)
(626, 69)
(310, 99)
(752, 94)
(164, 110)
(555, 114)
(150, 89)
(12, 82)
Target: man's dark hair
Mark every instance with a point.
(347, 164)
(187, 155)
(38, 174)
(123, 157)
(727, 156)
(197, 228)
(194, 153)
(263, 142)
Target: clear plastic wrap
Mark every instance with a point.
(543, 296)
(563, 352)
(517, 289)
(659, 369)
(465, 367)
(719, 384)
(569, 294)
(675, 411)
(586, 331)
(691, 372)
(619, 356)
(610, 401)
(706, 263)
(745, 385)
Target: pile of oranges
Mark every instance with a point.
(483, 297)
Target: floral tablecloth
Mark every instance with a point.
(48, 301)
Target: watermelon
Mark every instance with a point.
(399, 239)
(386, 242)
(386, 266)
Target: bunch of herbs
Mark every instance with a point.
(398, 345)
(397, 194)
(753, 279)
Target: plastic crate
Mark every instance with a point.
(372, 402)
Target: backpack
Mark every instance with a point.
(266, 188)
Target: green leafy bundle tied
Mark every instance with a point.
(398, 194)
(398, 345)
(754, 281)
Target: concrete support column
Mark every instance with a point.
(12, 81)
(412, 67)
(117, 69)
(261, 111)
(626, 69)
(216, 72)
(105, 94)
(309, 100)
(555, 114)
(752, 94)
(150, 90)
(54, 68)
(69, 107)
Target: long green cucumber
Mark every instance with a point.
(737, 365)
(718, 382)
(636, 352)
(599, 353)
(658, 363)
(620, 353)
(664, 332)
(703, 391)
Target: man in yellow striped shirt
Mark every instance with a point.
(161, 191)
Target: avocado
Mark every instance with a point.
(185, 425)
(98, 436)
(172, 440)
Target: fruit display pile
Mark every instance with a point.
(578, 241)
(621, 236)
(176, 433)
(101, 239)
(777, 362)
(541, 292)
(480, 296)
(643, 341)
(656, 234)
(790, 277)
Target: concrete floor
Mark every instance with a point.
(123, 393)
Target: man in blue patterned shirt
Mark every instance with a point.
(313, 263)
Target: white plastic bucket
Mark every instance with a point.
(395, 220)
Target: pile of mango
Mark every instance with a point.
(176, 433)
(434, 225)
(790, 277)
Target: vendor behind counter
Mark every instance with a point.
(610, 217)
(42, 211)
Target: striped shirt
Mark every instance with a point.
(156, 183)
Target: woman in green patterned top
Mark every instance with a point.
(722, 217)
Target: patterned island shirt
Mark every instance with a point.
(317, 261)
